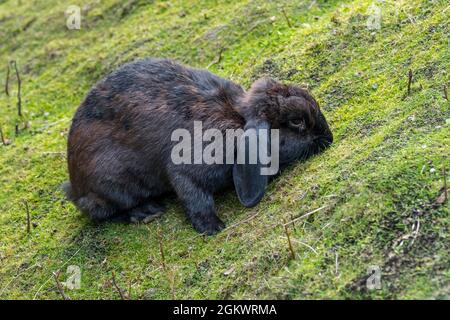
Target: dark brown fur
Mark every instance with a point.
(120, 141)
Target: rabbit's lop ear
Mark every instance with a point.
(252, 155)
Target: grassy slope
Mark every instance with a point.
(381, 177)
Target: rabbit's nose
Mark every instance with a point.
(324, 141)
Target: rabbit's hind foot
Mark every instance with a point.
(146, 213)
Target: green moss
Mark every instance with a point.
(379, 181)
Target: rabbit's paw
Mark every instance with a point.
(146, 213)
(207, 224)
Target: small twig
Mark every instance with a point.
(2, 137)
(121, 293)
(410, 78)
(293, 223)
(7, 81)
(311, 4)
(241, 222)
(306, 245)
(50, 278)
(28, 216)
(286, 17)
(416, 232)
(336, 262)
(218, 59)
(411, 19)
(161, 249)
(446, 93)
(289, 240)
(305, 215)
(129, 289)
(172, 283)
(59, 285)
(19, 85)
(445, 185)
(54, 153)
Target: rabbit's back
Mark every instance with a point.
(165, 88)
(120, 140)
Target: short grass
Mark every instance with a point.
(379, 187)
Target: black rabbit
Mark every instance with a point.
(120, 145)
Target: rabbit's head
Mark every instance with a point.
(303, 130)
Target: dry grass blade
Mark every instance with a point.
(306, 245)
(119, 290)
(305, 215)
(291, 248)
(445, 185)
(286, 17)
(28, 216)
(217, 60)
(410, 78)
(4, 141)
(7, 81)
(19, 87)
(161, 249)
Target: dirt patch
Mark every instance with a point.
(416, 246)
(268, 69)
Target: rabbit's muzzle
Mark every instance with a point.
(293, 148)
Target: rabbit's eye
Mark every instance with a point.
(297, 124)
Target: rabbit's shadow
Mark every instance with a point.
(94, 242)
